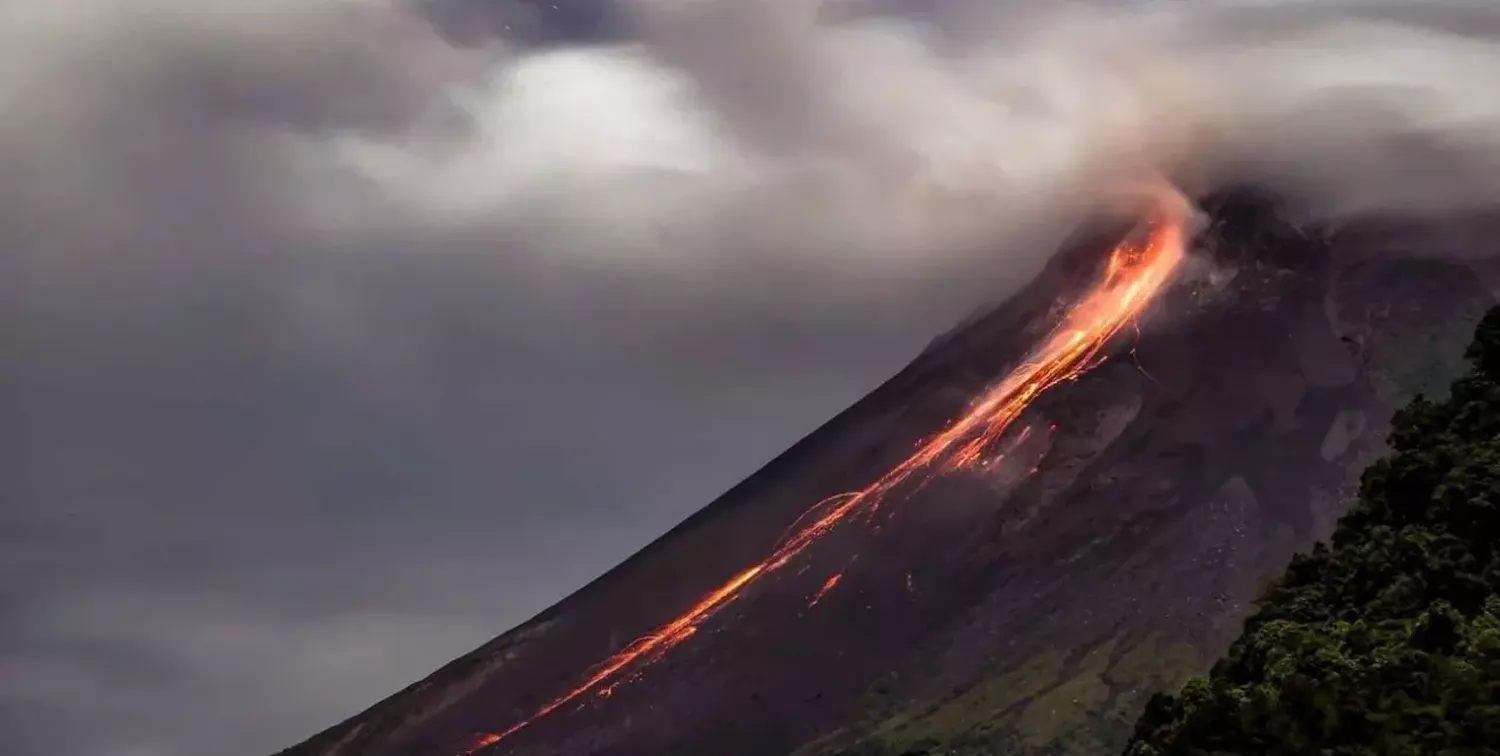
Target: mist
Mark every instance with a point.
(339, 336)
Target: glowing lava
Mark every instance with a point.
(482, 742)
(1136, 271)
(828, 585)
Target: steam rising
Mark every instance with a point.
(723, 138)
(753, 134)
(292, 288)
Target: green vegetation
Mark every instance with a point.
(1387, 641)
(1080, 704)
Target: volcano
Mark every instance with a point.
(1027, 591)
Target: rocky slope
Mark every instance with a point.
(1032, 607)
(1386, 639)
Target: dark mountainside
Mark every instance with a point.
(1014, 610)
(1387, 641)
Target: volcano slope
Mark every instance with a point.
(1388, 640)
(1032, 605)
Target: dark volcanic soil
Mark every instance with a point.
(1013, 611)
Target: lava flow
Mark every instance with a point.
(828, 585)
(1136, 271)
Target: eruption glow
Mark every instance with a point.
(1135, 272)
(827, 586)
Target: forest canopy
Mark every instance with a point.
(1387, 639)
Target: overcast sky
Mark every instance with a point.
(262, 466)
(339, 336)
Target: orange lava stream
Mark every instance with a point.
(828, 585)
(1137, 269)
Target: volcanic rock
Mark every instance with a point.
(1033, 605)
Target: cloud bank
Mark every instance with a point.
(336, 337)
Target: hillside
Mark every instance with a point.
(1029, 607)
(1387, 641)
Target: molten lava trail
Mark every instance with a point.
(1135, 272)
(827, 586)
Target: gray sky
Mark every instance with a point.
(262, 468)
(337, 338)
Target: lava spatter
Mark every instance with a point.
(1136, 270)
(827, 586)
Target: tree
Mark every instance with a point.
(1386, 640)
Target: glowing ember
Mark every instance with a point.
(827, 586)
(1136, 270)
(482, 742)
